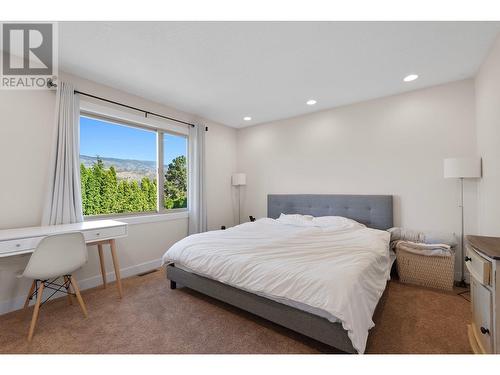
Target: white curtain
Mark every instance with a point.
(64, 202)
(197, 196)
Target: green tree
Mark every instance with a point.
(148, 189)
(109, 189)
(84, 182)
(104, 193)
(176, 183)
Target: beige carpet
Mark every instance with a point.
(154, 319)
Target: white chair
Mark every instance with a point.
(55, 257)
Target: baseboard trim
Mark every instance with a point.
(91, 282)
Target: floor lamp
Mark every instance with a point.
(239, 180)
(462, 168)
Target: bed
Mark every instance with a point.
(323, 282)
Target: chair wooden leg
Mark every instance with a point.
(116, 265)
(103, 267)
(32, 289)
(74, 284)
(68, 290)
(35, 311)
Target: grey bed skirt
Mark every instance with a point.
(299, 321)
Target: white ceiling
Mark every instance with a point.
(224, 71)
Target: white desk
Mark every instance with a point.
(99, 232)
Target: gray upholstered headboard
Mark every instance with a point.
(375, 211)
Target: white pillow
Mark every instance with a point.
(296, 219)
(336, 222)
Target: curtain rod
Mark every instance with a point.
(51, 84)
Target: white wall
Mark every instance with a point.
(393, 145)
(27, 120)
(488, 141)
(221, 164)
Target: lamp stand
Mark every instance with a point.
(462, 282)
(239, 204)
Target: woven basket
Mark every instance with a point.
(430, 271)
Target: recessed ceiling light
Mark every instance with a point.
(311, 102)
(247, 118)
(410, 77)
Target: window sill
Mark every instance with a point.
(144, 219)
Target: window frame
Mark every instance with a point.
(160, 127)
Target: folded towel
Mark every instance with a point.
(438, 249)
(428, 237)
(403, 234)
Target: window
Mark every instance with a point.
(119, 168)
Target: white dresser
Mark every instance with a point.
(482, 260)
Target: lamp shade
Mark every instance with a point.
(462, 167)
(238, 179)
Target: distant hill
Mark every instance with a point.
(125, 168)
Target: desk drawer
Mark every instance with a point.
(479, 267)
(482, 326)
(102, 234)
(22, 244)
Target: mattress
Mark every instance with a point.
(336, 272)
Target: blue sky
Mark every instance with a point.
(122, 142)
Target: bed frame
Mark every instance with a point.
(374, 211)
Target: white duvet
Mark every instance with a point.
(336, 271)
